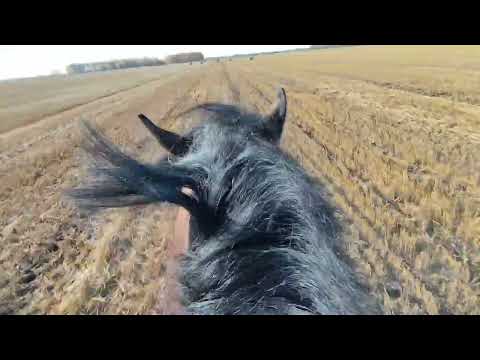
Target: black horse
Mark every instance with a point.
(263, 237)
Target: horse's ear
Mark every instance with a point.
(276, 119)
(174, 143)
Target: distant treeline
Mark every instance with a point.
(133, 63)
(172, 59)
(112, 65)
(184, 58)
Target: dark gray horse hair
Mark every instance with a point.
(263, 237)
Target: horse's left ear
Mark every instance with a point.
(174, 143)
(276, 119)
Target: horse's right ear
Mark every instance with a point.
(174, 143)
(276, 119)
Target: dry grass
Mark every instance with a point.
(393, 133)
(25, 101)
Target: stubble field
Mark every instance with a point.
(393, 133)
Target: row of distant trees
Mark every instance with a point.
(184, 58)
(171, 59)
(133, 63)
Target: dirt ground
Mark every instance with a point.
(393, 132)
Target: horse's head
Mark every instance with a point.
(198, 174)
(261, 234)
(214, 149)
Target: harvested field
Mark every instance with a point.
(393, 132)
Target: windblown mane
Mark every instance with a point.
(264, 237)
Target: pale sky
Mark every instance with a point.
(32, 60)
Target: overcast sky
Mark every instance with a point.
(32, 60)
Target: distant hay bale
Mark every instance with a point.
(112, 65)
(184, 58)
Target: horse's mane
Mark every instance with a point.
(265, 238)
